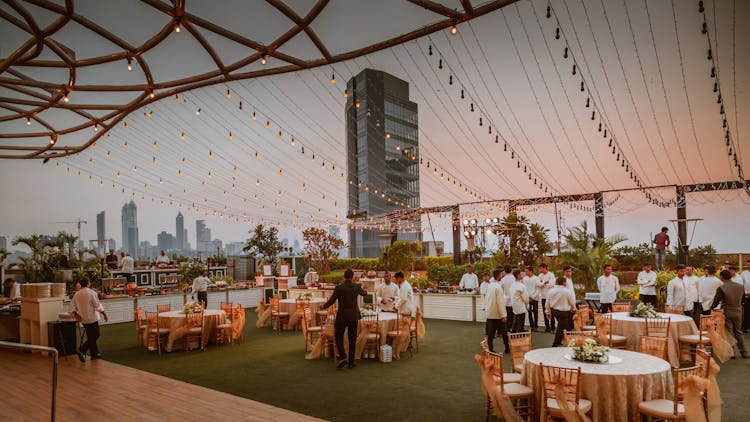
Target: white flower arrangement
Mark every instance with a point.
(589, 351)
(644, 310)
(191, 307)
(366, 311)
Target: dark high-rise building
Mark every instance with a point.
(130, 228)
(165, 241)
(382, 148)
(101, 236)
(180, 232)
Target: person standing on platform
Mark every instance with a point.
(469, 282)
(505, 283)
(647, 285)
(386, 295)
(347, 316)
(533, 289)
(608, 285)
(406, 305)
(86, 307)
(693, 293)
(547, 278)
(496, 312)
(708, 286)
(746, 303)
(519, 301)
(729, 296)
(677, 292)
(200, 287)
(661, 243)
(561, 304)
(127, 266)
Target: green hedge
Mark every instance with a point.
(452, 273)
(356, 263)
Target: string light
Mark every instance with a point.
(182, 136)
(263, 59)
(454, 28)
(333, 79)
(130, 64)
(66, 98)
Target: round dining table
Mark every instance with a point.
(614, 389)
(290, 306)
(174, 320)
(633, 328)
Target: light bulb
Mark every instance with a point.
(254, 116)
(346, 93)
(177, 28)
(268, 124)
(454, 29)
(96, 127)
(228, 95)
(230, 135)
(198, 112)
(28, 121)
(211, 155)
(182, 136)
(65, 98)
(333, 79)
(263, 60)
(154, 144)
(150, 95)
(130, 64)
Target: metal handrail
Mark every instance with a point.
(55, 361)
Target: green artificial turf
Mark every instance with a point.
(441, 382)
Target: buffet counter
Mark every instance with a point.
(450, 306)
(122, 308)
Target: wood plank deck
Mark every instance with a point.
(100, 390)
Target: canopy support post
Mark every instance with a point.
(682, 242)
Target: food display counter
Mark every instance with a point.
(156, 278)
(449, 306)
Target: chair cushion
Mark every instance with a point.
(583, 404)
(660, 408)
(515, 389)
(314, 329)
(393, 333)
(280, 313)
(223, 326)
(373, 336)
(159, 330)
(694, 339)
(518, 368)
(195, 330)
(617, 339)
(589, 328)
(508, 378)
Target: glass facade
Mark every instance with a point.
(383, 154)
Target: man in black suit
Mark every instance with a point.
(347, 317)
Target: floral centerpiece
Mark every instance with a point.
(589, 351)
(305, 296)
(366, 311)
(644, 310)
(191, 307)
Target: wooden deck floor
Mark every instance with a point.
(102, 390)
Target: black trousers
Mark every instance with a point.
(518, 321)
(92, 334)
(509, 318)
(548, 323)
(351, 328)
(697, 312)
(493, 327)
(533, 313)
(564, 322)
(651, 299)
(606, 307)
(746, 314)
(203, 297)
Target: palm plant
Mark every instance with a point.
(587, 254)
(44, 261)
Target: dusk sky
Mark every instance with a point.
(644, 67)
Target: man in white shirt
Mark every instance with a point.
(200, 287)
(484, 284)
(311, 277)
(469, 282)
(693, 293)
(647, 285)
(533, 289)
(568, 273)
(12, 289)
(561, 304)
(127, 266)
(505, 283)
(519, 299)
(608, 285)
(677, 294)
(406, 304)
(708, 286)
(163, 259)
(496, 312)
(547, 278)
(386, 295)
(86, 307)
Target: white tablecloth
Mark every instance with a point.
(633, 328)
(614, 389)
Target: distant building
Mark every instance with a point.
(111, 245)
(147, 251)
(382, 148)
(180, 232)
(216, 247)
(433, 248)
(234, 249)
(100, 233)
(165, 241)
(295, 247)
(130, 241)
(3, 243)
(202, 237)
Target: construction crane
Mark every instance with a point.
(77, 222)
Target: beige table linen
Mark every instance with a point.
(614, 389)
(175, 320)
(386, 322)
(290, 306)
(633, 328)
